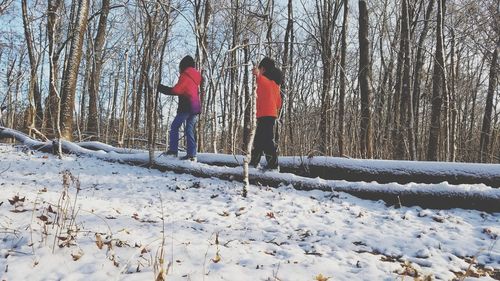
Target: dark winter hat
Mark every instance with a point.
(267, 63)
(186, 62)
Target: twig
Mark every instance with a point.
(40, 134)
(6, 169)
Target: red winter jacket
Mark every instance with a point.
(268, 97)
(187, 88)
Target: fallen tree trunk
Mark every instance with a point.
(439, 196)
(381, 171)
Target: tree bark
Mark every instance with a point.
(326, 12)
(437, 88)
(95, 75)
(35, 97)
(287, 74)
(123, 119)
(419, 63)
(247, 116)
(203, 13)
(51, 105)
(342, 82)
(366, 143)
(484, 153)
(405, 138)
(71, 71)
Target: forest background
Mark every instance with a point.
(405, 79)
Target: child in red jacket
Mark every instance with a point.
(269, 79)
(188, 108)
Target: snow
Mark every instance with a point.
(274, 234)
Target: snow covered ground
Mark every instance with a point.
(212, 233)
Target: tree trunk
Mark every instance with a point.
(453, 112)
(437, 88)
(112, 119)
(287, 73)
(269, 33)
(484, 154)
(419, 63)
(123, 123)
(342, 82)
(84, 92)
(95, 75)
(365, 82)
(140, 86)
(203, 13)
(35, 97)
(405, 141)
(326, 20)
(247, 116)
(51, 105)
(71, 71)
(233, 78)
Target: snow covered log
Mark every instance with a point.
(439, 196)
(381, 171)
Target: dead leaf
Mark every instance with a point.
(224, 214)
(490, 233)
(50, 210)
(438, 219)
(217, 258)
(43, 218)
(16, 199)
(271, 253)
(320, 277)
(76, 256)
(98, 241)
(270, 215)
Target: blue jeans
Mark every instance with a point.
(179, 119)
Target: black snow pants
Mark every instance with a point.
(264, 143)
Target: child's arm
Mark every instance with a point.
(166, 90)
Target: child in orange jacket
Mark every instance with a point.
(268, 79)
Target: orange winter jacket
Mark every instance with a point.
(268, 97)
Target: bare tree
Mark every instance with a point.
(365, 82)
(419, 63)
(404, 124)
(342, 82)
(203, 14)
(35, 97)
(438, 80)
(327, 13)
(71, 71)
(4, 5)
(484, 153)
(53, 36)
(95, 74)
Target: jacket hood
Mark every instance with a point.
(193, 74)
